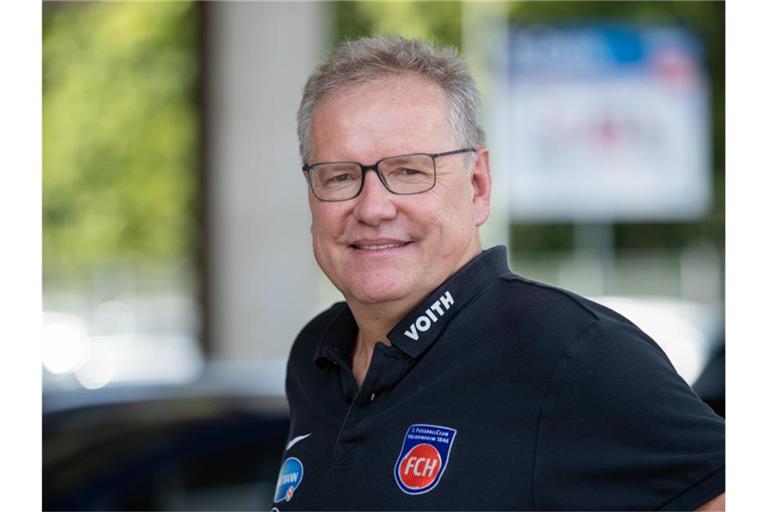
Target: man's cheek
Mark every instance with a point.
(323, 232)
(319, 227)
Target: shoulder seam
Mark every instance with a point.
(554, 289)
(543, 401)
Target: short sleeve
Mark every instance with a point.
(619, 429)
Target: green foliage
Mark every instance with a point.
(120, 129)
(439, 22)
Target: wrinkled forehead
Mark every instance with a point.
(394, 114)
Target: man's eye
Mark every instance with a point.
(340, 178)
(405, 171)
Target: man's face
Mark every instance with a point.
(385, 248)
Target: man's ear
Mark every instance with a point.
(481, 186)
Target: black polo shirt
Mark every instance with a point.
(497, 393)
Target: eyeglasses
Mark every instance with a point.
(402, 175)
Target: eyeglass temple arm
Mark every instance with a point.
(454, 152)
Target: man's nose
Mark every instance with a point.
(375, 203)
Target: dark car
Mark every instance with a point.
(214, 444)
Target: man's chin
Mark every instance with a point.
(372, 293)
(374, 297)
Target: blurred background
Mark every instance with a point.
(177, 264)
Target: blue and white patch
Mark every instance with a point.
(423, 457)
(289, 479)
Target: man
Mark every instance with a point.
(444, 381)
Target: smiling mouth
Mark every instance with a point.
(380, 247)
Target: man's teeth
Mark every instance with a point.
(379, 247)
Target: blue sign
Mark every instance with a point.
(595, 49)
(602, 122)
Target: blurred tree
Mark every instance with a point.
(120, 132)
(434, 21)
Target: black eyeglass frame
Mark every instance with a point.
(306, 168)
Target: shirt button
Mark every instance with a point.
(373, 396)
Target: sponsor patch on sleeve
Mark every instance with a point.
(423, 457)
(289, 479)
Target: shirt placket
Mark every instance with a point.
(352, 432)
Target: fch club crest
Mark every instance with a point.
(423, 457)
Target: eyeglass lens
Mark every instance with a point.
(409, 174)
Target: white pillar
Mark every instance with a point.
(263, 279)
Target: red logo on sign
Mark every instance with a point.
(420, 466)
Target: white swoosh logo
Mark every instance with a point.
(296, 440)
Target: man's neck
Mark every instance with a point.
(374, 321)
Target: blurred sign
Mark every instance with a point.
(604, 122)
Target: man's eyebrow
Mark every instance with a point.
(402, 158)
(340, 163)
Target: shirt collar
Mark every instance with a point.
(426, 322)
(337, 342)
(419, 329)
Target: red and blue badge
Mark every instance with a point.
(423, 457)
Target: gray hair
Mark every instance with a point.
(371, 58)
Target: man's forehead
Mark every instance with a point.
(396, 114)
(407, 89)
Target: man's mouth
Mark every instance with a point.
(378, 246)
